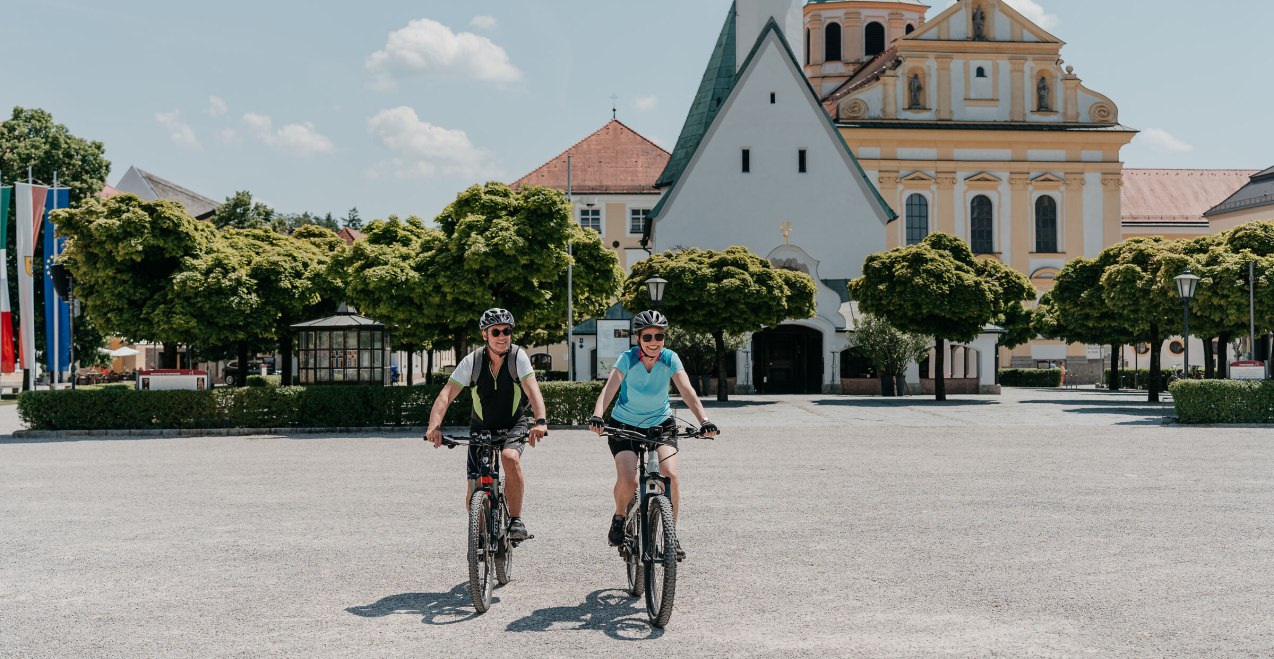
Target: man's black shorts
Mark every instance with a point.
(668, 429)
(518, 431)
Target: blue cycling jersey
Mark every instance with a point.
(643, 395)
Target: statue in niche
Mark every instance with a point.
(979, 24)
(916, 88)
(1041, 90)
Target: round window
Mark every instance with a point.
(1176, 347)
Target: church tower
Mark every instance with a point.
(842, 35)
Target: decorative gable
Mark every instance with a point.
(982, 20)
(1048, 179)
(917, 178)
(983, 177)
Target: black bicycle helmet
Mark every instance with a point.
(496, 316)
(649, 318)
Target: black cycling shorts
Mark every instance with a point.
(668, 429)
(518, 431)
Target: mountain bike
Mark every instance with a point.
(490, 548)
(650, 534)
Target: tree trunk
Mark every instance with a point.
(723, 384)
(1156, 373)
(1209, 365)
(1114, 383)
(1222, 356)
(411, 365)
(285, 358)
(939, 366)
(462, 345)
(429, 366)
(241, 352)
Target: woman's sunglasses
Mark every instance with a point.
(508, 331)
(649, 338)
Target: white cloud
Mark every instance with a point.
(645, 103)
(216, 106)
(424, 150)
(230, 136)
(294, 139)
(429, 46)
(1163, 140)
(179, 131)
(1035, 13)
(483, 22)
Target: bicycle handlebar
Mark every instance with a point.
(480, 439)
(688, 431)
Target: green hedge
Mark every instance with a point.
(1141, 376)
(1224, 401)
(1030, 377)
(568, 403)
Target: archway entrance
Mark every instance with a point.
(788, 359)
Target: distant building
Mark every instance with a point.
(152, 188)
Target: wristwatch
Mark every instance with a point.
(541, 422)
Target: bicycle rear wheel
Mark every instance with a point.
(632, 550)
(481, 560)
(660, 561)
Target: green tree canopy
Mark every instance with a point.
(124, 253)
(1140, 294)
(888, 347)
(935, 287)
(498, 247)
(29, 138)
(720, 292)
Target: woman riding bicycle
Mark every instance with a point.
(641, 377)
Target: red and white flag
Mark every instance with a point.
(30, 214)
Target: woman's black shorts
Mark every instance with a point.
(668, 429)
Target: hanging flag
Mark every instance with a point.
(57, 312)
(30, 213)
(6, 315)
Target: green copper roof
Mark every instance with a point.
(718, 80)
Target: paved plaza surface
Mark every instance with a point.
(1038, 523)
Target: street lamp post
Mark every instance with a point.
(655, 287)
(1186, 284)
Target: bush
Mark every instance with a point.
(1223, 401)
(568, 403)
(1030, 377)
(1136, 378)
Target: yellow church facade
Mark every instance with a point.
(971, 124)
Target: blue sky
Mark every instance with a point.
(368, 105)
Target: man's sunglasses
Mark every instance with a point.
(508, 331)
(648, 338)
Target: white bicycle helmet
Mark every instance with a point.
(496, 316)
(649, 318)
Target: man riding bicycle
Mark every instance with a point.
(641, 377)
(501, 394)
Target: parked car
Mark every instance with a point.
(231, 376)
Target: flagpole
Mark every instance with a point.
(51, 344)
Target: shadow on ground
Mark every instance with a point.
(609, 610)
(908, 401)
(435, 608)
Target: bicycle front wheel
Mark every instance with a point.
(481, 559)
(660, 561)
(632, 550)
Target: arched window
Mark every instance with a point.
(874, 37)
(831, 43)
(1046, 225)
(981, 73)
(981, 233)
(910, 28)
(917, 218)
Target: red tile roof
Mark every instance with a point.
(107, 192)
(350, 236)
(613, 160)
(1177, 195)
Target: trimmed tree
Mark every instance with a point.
(1075, 311)
(1140, 294)
(720, 292)
(934, 287)
(889, 348)
(500, 248)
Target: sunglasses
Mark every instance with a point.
(652, 337)
(508, 331)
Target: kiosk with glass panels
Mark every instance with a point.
(342, 349)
